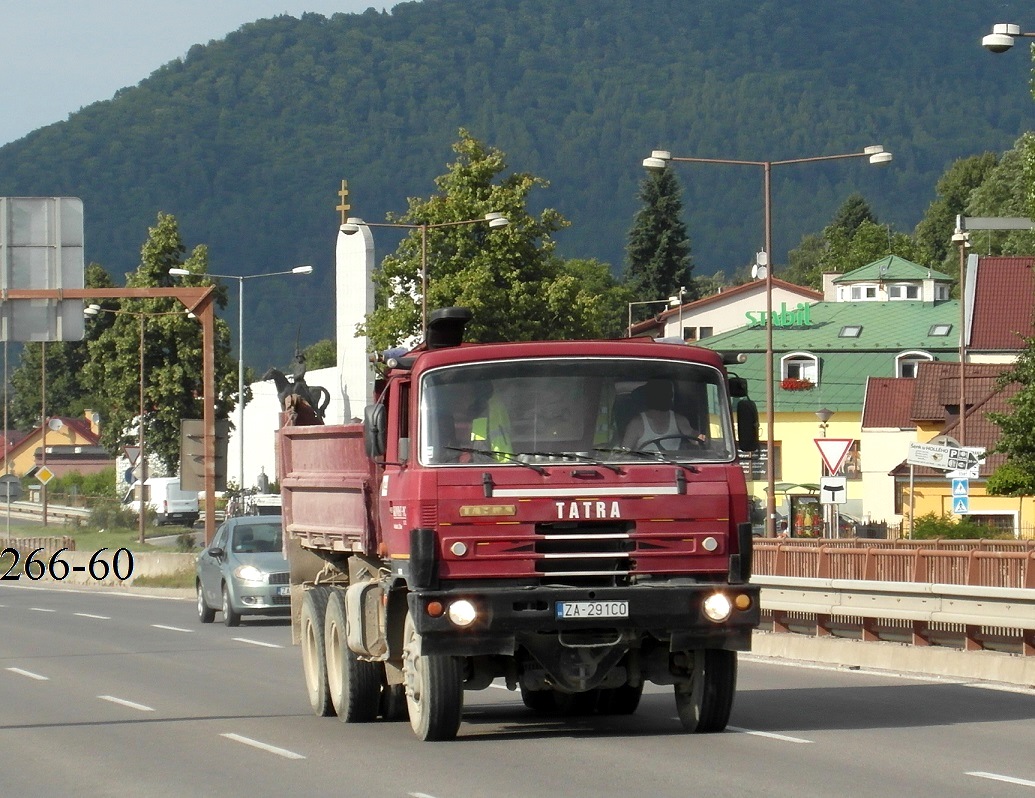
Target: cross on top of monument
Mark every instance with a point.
(344, 207)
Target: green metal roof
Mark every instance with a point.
(892, 268)
(887, 329)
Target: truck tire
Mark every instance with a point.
(354, 684)
(314, 657)
(230, 616)
(704, 704)
(434, 689)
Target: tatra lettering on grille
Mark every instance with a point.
(576, 510)
(585, 549)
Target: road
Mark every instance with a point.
(109, 694)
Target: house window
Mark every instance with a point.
(800, 366)
(861, 293)
(850, 331)
(941, 292)
(904, 291)
(754, 463)
(705, 332)
(906, 363)
(1000, 522)
(939, 330)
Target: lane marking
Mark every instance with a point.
(262, 746)
(419, 795)
(770, 735)
(125, 703)
(171, 628)
(30, 674)
(256, 642)
(40, 609)
(88, 615)
(996, 777)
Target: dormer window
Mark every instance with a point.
(941, 292)
(906, 363)
(903, 291)
(800, 366)
(863, 293)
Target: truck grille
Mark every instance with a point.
(596, 551)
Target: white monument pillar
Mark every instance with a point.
(354, 299)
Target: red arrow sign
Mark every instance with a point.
(834, 451)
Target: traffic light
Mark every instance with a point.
(192, 453)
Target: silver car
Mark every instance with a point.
(243, 571)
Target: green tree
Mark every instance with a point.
(870, 241)
(658, 248)
(1007, 190)
(172, 353)
(853, 212)
(66, 392)
(1016, 477)
(509, 278)
(934, 232)
(321, 355)
(805, 263)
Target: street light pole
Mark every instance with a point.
(494, 219)
(240, 343)
(658, 161)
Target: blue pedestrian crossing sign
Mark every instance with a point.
(960, 487)
(961, 505)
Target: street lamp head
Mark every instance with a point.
(349, 228)
(824, 414)
(1001, 38)
(961, 238)
(497, 220)
(179, 271)
(654, 164)
(302, 270)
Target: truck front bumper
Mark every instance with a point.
(671, 613)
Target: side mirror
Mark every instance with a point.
(738, 387)
(747, 426)
(375, 430)
(217, 552)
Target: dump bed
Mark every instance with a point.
(327, 486)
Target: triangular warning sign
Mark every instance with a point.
(834, 451)
(132, 454)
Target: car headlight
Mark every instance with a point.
(717, 607)
(249, 573)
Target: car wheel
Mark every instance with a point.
(205, 613)
(230, 616)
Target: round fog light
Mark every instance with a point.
(462, 612)
(717, 607)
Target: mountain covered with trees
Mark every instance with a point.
(246, 140)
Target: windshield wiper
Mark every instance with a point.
(510, 456)
(656, 456)
(582, 457)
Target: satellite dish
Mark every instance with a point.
(95, 418)
(55, 424)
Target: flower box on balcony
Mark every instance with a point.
(797, 384)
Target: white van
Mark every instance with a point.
(171, 504)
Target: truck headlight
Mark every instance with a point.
(717, 607)
(462, 613)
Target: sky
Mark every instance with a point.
(62, 55)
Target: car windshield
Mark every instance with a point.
(257, 537)
(562, 410)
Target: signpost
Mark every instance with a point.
(947, 458)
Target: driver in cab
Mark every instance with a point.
(657, 425)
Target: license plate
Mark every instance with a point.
(592, 609)
(284, 590)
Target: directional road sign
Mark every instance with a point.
(947, 458)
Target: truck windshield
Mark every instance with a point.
(607, 410)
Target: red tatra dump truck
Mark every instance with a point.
(567, 516)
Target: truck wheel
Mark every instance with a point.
(314, 658)
(230, 616)
(434, 689)
(354, 684)
(619, 700)
(704, 704)
(541, 701)
(205, 613)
